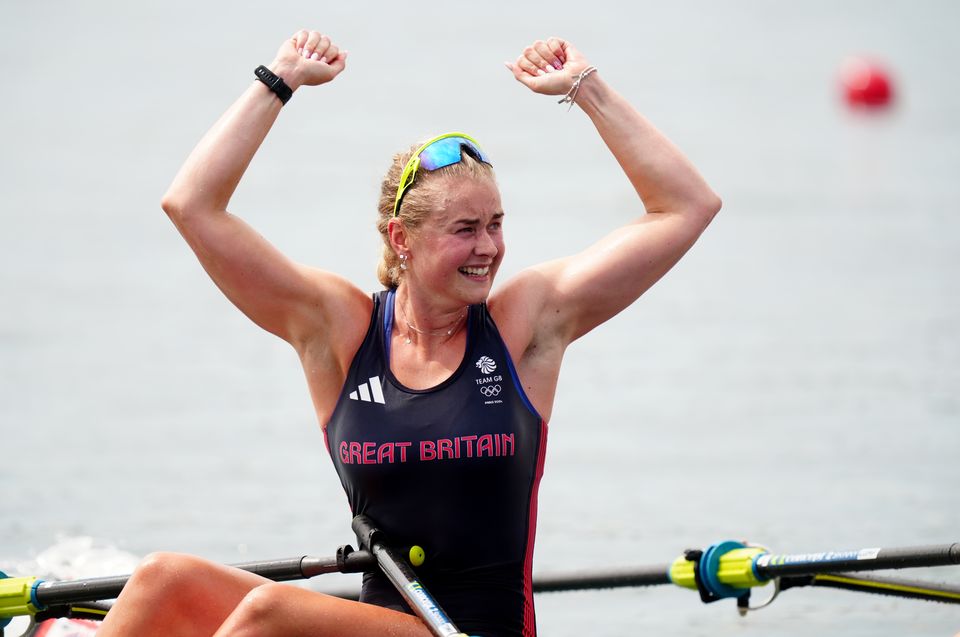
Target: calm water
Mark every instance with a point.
(794, 381)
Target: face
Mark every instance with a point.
(456, 252)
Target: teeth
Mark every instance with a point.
(476, 271)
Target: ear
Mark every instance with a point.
(399, 237)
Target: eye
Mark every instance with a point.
(496, 225)
(465, 229)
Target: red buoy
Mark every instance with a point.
(866, 83)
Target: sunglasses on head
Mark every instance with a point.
(439, 152)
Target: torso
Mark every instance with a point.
(454, 467)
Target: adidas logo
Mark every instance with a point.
(369, 392)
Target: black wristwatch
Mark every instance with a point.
(274, 82)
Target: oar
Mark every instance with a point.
(733, 569)
(398, 570)
(725, 569)
(31, 595)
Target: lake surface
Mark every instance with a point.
(794, 381)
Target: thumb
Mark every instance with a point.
(518, 74)
(341, 62)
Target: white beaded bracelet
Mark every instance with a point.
(572, 93)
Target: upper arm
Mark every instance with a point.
(569, 297)
(293, 301)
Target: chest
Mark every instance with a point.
(418, 367)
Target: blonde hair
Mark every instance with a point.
(418, 202)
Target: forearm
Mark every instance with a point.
(663, 177)
(213, 170)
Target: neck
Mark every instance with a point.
(425, 321)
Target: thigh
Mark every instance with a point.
(284, 610)
(171, 594)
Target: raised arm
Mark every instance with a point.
(571, 296)
(286, 298)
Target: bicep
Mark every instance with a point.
(281, 296)
(591, 287)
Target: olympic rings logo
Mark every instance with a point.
(490, 390)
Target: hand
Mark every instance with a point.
(548, 67)
(308, 58)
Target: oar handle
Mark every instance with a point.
(398, 570)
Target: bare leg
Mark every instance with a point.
(172, 595)
(288, 611)
(177, 595)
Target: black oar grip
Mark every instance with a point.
(914, 556)
(367, 533)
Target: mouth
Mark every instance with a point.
(479, 272)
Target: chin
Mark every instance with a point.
(477, 292)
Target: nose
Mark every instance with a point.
(485, 245)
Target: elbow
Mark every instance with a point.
(711, 205)
(177, 207)
(716, 204)
(171, 206)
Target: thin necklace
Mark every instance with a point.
(447, 331)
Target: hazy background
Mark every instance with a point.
(794, 381)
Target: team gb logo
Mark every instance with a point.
(486, 365)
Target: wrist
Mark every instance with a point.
(591, 93)
(287, 71)
(574, 90)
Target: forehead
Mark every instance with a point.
(463, 197)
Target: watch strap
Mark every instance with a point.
(274, 82)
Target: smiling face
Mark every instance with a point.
(455, 254)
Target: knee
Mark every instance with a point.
(265, 610)
(163, 570)
(264, 601)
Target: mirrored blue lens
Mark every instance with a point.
(448, 151)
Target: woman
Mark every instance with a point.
(433, 395)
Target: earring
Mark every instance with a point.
(403, 262)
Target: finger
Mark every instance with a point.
(534, 57)
(519, 74)
(299, 39)
(320, 50)
(556, 46)
(330, 54)
(528, 67)
(546, 54)
(340, 62)
(310, 46)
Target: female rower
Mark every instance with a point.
(435, 393)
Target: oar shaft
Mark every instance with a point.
(85, 590)
(282, 570)
(769, 566)
(397, 569)
(647, 576)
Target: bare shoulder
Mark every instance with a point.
(330, 330)
(512, 308)
(523, 309)
(527, 309)
(333, 322)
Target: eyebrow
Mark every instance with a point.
(474, 220)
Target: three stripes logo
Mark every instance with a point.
(369, 392)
